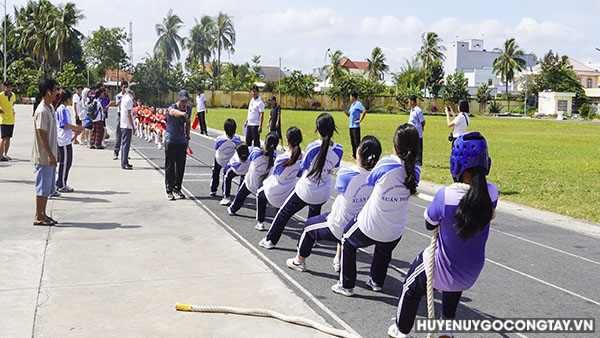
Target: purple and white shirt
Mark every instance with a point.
(63, 118)
(282, 180)
(258, 167)
(457, 262)
(225, 148)
(311, 189)
(240, 168)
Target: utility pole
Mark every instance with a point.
(325, 83)
(279, 82)
(131, 42)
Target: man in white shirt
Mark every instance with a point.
(118, 137)
(77, 109)
(254, 121)
(201, 110)
(127, 126)
(417, 119)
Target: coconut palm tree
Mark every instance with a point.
(377, 67)
(335, 71)
(510, 60)
(201, 41)
(66, 37)
(35, 24)
(168, 38)
(431, 49)
(224, 37)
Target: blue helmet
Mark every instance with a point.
(469, 151)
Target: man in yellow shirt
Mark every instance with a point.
(7, 119)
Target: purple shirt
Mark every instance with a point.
(457, 262)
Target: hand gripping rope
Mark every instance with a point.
(265, 313)
(429, 272)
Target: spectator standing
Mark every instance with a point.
(7, 119)
(275, 119)
(201, 110)
(254, 121)
(97, 121)
(45, 149)
(118, 97)
(357, 113)
(126, 127)
(64, 131)
(177, 138)
(417, 119)
(87, 123)
(459, 123)
(76, 100)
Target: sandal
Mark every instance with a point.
(48, 218)
(45, 222)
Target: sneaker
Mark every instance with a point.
(4, 159)
(101, 147)
(260, 226)
(66, 188)
(115, 156)
(225, 201)
(159, 145)
(336, 264)
(395, 333)
(178, 195)
(230, 212)
(339, 289)
(213, 193)
(170, 196)
(296, 264)
(373, 285)
(267, 244)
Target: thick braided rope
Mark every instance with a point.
(266, 313)
(430, 265)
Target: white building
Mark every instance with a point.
(555, 103)
(477, 63)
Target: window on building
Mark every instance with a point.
(490, 82)
(562, 105)
(589, 83)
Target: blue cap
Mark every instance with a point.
(183, 95)
(469, 151)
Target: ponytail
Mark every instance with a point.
(370, 150)
(475, 209)
(294, 137)
(326, 128)
(271, 142)
(405, 145)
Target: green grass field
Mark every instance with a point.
(543, 164)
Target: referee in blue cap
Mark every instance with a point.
(177, 138)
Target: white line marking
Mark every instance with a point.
(194, 174)
(260, 254)
(525, 275)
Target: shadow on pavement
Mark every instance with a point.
(101, 192)
(96, 226)
(18, 181)
(82, 199)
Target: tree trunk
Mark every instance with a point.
(202, 60)
(295, 102)
(507, 96)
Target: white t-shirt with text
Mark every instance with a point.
(255, 107)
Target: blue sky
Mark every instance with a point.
(301, 31)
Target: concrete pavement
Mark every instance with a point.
(122, 256)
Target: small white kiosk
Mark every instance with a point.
(556, 103)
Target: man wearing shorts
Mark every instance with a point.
(275, 118)
(7, 119)
(44, 154)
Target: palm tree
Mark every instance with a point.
(377, 67)
(224, 37)
(168, 38)
(35, 23)
(201, 41)
(431, 49)
(335, 71)
(64, 34)
(510, 60)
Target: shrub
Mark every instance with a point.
(316, 105)
(584, 111)
(495, 107)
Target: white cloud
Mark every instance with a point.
(530, 31)
(389, 26)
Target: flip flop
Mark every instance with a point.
(48, 218)
(45, 222)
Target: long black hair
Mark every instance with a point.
(370, 150)
(65, 96)
(294, 137)
(406, 145)
(271, 142)
(242, 151)
(326, 128)
(475, 209)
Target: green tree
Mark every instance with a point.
(256, 66)
(104, 49)
(405, 91)
(13, 52)
(510, 61)
(367, 89)
(335, 71)
(483, 96)
(298, 85)
(69, 77)
(35, 23)
(377, 66)
(456, 88)
(433, 77)
(411, 74)
(168, 37)
(224, 38)
(23, 74)
(201, 41)
(557, 75)
(67, 39)
(151, 78)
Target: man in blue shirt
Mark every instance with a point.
(356, 113)
(417, 119)
(177, 138)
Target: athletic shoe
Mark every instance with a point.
(339, 289)
(159, 145)
(55, 194)
(395, 333)
(115, 156)
(213, 193)
(230, 212)
(92, 147)
(267, 244)
(101, 147)
(373, 285)
(127, 167)
(296, 264)
(4, 159)
(66, 188)
(170, 196)
(178, 195)
(225, 201)
(336, 265)
(260, 227)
